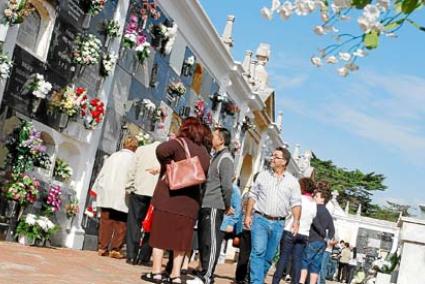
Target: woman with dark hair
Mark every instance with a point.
(207, 139)
(292, 247)
(176, 211)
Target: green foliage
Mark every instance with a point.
(371, 40)
(360, 4)
(353, 186)
(408, 6)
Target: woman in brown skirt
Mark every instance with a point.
(176, 211)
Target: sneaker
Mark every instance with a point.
(196, 280)
(102, 252)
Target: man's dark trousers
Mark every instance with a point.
(137, 208)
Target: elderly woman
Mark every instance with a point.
(176, 211)
(111, 198)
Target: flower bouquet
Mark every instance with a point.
(36, 229)
(26, 149)
(37, 86)
(176, 88)
(160, 114)
(200, 109)
(142, 49)
(62, 170)
(108, 62)
(143, 138)
(5, 66)
(17, 10)
(95, 114)
(53, 200)
(187, 69)
(86, 50)
(158, 33)
(111, 28)
(93, 7)
(131, 33)
(72, 209)
(69, 100)
(23, 189)
(149, 9)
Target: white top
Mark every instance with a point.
(308, 212)
(110, 183)
(275, 196)
(139, 180)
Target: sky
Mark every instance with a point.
(373, 120)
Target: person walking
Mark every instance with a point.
(292, 247)
(343, 263)
(111, 198)
(141, 182)
(216, 203)
(175, 211)
(275, 193)
(322, 230)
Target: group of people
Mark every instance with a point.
(278, 209)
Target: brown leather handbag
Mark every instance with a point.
(185, 173)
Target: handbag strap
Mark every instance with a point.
(184, 145)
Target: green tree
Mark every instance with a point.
(354, 186)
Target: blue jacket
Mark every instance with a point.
(235, 219)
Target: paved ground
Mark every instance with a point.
(32, 265)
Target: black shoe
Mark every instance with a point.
(130, 261)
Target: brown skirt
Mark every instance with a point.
(171, 232)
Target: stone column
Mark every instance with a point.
(227, 33)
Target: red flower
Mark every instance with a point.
(80, 91)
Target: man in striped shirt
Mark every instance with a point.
(275, 193)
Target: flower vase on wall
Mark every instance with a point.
(3, 32)
(24, 240)
(79, 70)
(86, 21)
(70, 221)
(34, 105)
(107, 41)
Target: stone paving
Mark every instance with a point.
(32, 265)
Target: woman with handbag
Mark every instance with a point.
(184, 165)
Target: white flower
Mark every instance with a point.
(371, 12)
(30, 219)
(383, 5)
(286, 10)
(42, 223)
(319, 30)
(360, 53)
(343, 71)
(190, 60)
(344, 56)
(316, 61)
(342, 3)
(304, 7)
(49, 224)
(351, 67)
(332, 59)
(324, 17)
(267, 13)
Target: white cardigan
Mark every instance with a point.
(111, 181)
(139, 180)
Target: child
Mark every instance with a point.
(321, 231)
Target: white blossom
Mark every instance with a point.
(344, 56)
(332, 59)
(352, 67)
(383, 5)
(190, 60)
(316, 61)
(30, 219)
(370, 18)
(324, 17)
(285, 10)
(343, 71)
(267, 13)
(360, 53)
(342, 3)
(304, 7)
(319, 30)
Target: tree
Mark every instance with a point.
(375, 18)
(354, 186)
